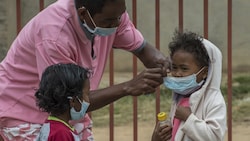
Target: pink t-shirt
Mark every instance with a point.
(185, 103)
(53, 36)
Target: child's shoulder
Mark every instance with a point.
(59, 130)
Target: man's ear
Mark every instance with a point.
(82, 12)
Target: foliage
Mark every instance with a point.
(240, 87)
(240, 98)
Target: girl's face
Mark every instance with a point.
(184, 64)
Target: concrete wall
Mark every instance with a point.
(8, 30)
(3, 28)
(193, 20)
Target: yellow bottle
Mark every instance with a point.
(163, 119)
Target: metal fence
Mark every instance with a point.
(157, 45)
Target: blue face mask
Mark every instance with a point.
(78, 115)
(183, 85)
(99, 30)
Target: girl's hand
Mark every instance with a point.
(182, 113)
(162, 133)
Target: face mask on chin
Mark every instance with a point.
(99, 30)
(183, 85)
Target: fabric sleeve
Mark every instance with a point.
(212, 127)
(49, 53)
(127, 36)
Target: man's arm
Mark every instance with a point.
(146, 82)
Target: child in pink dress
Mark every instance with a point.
(198, 111)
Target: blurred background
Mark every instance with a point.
(193, 18)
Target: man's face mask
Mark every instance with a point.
(99, 30)
(182, 85)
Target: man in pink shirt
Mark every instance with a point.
(82, 32)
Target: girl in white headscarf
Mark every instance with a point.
(198, 111)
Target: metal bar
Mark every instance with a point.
(135, 120)
(181, 15)
(18, 16)
(229, 68)
(206, 19)
(157, 44)
(135, 112)
(41, 5)
(111, 106)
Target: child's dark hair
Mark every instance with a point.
(192, 43)
(59, 82)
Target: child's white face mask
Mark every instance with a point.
(182, 85)
(78, 115)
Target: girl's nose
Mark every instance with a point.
(177, 73)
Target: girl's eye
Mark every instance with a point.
(184, 69)
(174, 67)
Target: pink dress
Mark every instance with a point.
(185, 103)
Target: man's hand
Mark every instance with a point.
(151, 57)
(182, 113)
(165, 64)
(144, 83)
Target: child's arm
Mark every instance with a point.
(212, 127)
